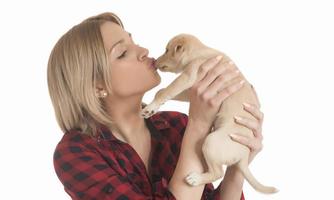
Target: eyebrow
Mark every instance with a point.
(120, 41)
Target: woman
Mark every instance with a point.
(97, 77)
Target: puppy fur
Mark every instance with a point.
(184, 54)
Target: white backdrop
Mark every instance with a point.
(283, 47)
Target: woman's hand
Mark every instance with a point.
(210, 90)
(253, 143)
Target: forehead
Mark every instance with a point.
(111, 33)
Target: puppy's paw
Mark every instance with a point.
(150, 110)
(193, 179)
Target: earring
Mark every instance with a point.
(102, 94)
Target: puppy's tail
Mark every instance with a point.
(243, 166)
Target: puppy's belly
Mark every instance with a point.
(218, 144)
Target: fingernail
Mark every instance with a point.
(234, 135)
(237, 118)
(219, 57)
(247, 105)
(237, 71)
(242, 82)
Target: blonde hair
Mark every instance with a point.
(76, 63)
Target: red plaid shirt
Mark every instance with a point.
(104, 167)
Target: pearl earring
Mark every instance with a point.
(102, 94)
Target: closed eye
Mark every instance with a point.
(122, 55)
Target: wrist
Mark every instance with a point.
(231, 185)
(234, 175)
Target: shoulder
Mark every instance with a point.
(74, 137)
(73, 142)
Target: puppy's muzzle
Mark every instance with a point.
(164, 67)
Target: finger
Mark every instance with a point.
(254, 110)
(226, 92)
(242, 140)
(254, 125)
(223, 81)
(251, 143)
(206, 66)
(218, 72)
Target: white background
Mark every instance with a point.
(284, 48)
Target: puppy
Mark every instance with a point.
(185, 53)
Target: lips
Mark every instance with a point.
(153, 64)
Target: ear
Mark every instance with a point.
(99, 85)
(178, 48)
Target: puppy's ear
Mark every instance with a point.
(179, 48)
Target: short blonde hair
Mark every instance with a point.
(76, 63)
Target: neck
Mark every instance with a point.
(125, 112)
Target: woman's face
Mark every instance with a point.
(132, 70)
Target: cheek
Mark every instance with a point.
(122, 79)
(133, 78)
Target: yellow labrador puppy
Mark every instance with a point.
(185, 53)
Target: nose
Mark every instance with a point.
(143, 53)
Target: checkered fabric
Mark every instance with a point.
(104, 167)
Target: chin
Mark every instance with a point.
(155, 83)
(157, 78)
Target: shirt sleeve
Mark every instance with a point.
(86, 175)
